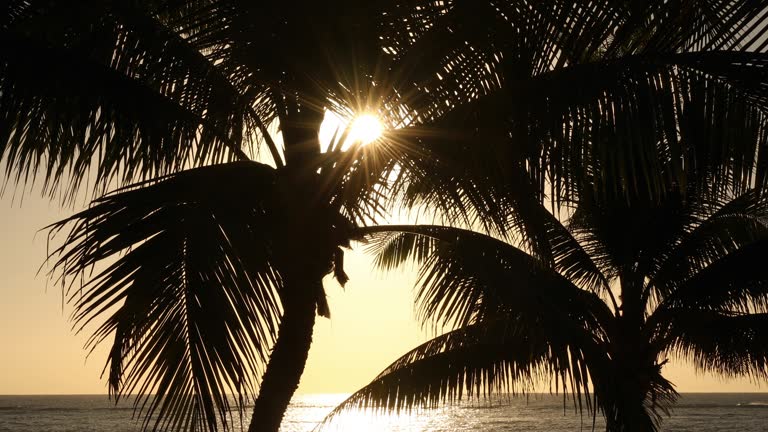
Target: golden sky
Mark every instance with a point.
(372, 318)
(373, 322)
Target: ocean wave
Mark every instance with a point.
(62, 409)
(748, 405)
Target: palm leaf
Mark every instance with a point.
(356, 180)
(189, 296)
(677, 25)
(511, 209)
(736, 282)
(458, 51)
(629, 125)
(466, 276)
(732, 345)
(506, 355)
(635, 121)
(732, 225)
(111, 83)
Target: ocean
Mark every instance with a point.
(695, 412)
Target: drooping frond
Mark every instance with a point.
(454, 290)
(110, 86)
(736, 282)
(466, 276)
(630, 125)
(643, 125)
(571, 260)
(732, 225)
(507, 355)
(457, 51)
(456, 185)
(179, 272)
(717, 342)
(445, 186)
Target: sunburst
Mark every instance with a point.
(366, 129)
(363, 129)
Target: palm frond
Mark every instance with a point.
(727, 344)
(625, 126)
(572, 260)
(732, 225)
(184, 283)
(457, 51)
(634, 122)
(110, 84)
(437, 168)
(466, 276)
(736, 282)
(688, 25)
(509, 208)
(356, 180)
(511, 356)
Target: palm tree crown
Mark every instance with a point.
(498, 101)
(634, 283)
(215, 261)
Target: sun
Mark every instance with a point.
(360, 130)
(365, 128)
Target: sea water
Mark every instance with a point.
(695, 412)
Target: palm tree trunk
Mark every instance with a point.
(632, 359)
(286, 363)
(300, 125)
(632, 417)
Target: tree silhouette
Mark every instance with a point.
(635, 282)
(171, 98)
(217, 260)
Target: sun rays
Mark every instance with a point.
(364, 129)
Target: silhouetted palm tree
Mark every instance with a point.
(493, 94)
(215, 270)
(635, 281)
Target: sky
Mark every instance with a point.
(372, 321)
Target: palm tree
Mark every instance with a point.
(173, 97)
(634, 283)
(214, 262)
